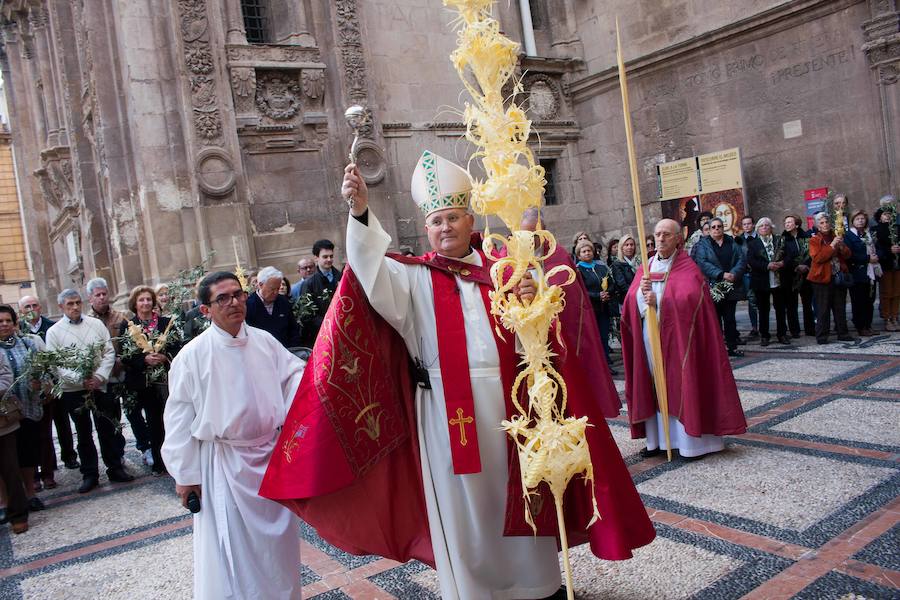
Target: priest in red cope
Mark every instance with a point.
(703, 399)
(406, 466)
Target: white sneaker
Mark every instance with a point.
(148, 457)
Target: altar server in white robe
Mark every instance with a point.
(229, 391)
(465, 512)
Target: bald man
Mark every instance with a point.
(32, 320)
(703, 400)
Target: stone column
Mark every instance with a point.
(38, 20)
(290, 24)
(882, 49)
(234, 23)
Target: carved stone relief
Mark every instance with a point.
(200, 63)
(215, 172)
(543, 97)
(278, 95)
(243, 88)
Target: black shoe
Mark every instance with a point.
(741, 342)
(796, 335)
(754, 335)
(72, 464)
(764, 342)
(87, 484)
(846, 338)
(560, 594)
(4, 518)
(735, 352)
(119, 475)
(35, 504)
(647, 453)
(821, 341)
(783, 339)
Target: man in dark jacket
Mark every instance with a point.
(721, 259)
(320, 287)
(270, 311)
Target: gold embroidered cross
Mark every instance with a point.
(462, 422)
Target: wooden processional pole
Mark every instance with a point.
(659, 375)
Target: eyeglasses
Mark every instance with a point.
(438, 222)
(225, 300)
(306, 268)
(716, 227)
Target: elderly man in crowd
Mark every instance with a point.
(320, 286)
(306, 267)
(98, 297)
(89, 335)
(55, 413)
(33, 321)
(229, 392)
(765, 279)
(703, 397)
(270, 311)
(721, 259)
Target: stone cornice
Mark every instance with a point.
(764, 24)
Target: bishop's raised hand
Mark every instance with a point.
(355, 191)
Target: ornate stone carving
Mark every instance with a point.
(543, 97)
(198, 58)
(889, 74)
(277, 95)
(258, 53)
(243, 88)
(350, 44)
(313, 82)
(200, 63)
(215, 172)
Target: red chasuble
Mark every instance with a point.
(700, 384)
(348, 463)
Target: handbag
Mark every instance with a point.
(10, 413)
(841, 279)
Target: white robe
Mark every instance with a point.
(656, 436)
(228, 397)
(465, 512)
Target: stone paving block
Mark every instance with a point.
(837, 586)
(96, 515)
(809, 371)
(754, 400)
(627, 446)
(869, 422)
(890, 383)
(162, 571)
(884, 551)
(785, 494)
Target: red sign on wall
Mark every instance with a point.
(815, 203)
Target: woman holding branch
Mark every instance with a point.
(149, 343)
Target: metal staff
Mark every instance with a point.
(659, 374)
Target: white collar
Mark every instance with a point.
(223, 336)
(472, 258)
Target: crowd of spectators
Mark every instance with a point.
(791, 274)
(124, 357)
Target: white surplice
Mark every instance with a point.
(228, 397)
(656, 437)
(465, 512)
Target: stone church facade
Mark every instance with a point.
(149, 134)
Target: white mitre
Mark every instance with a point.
(438, 183)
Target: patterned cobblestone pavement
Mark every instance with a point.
(805, 505)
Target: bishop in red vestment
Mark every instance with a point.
(411, 463)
